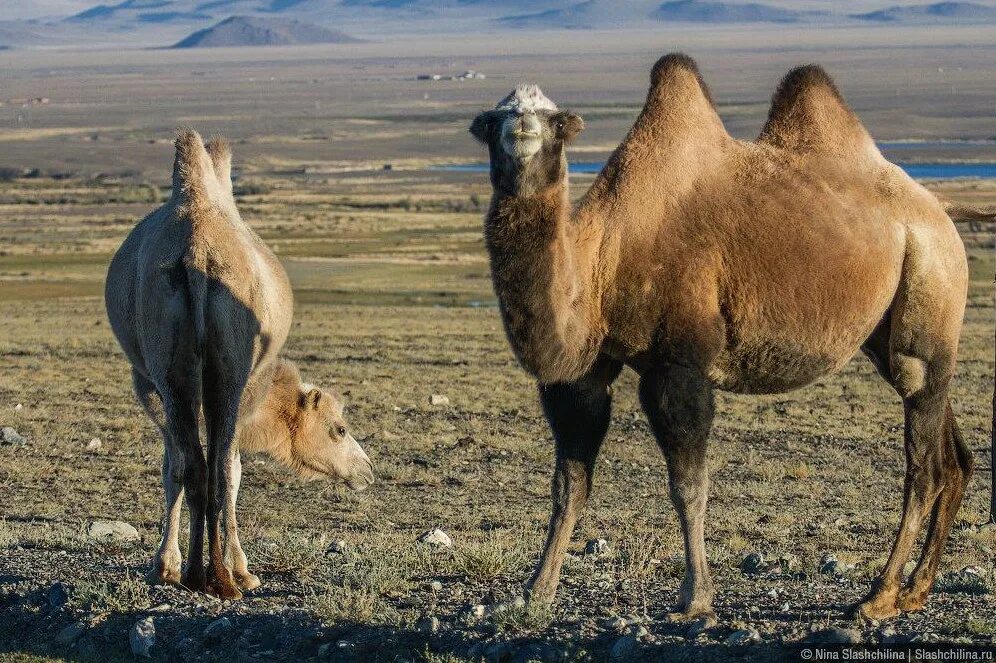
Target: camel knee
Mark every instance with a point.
(909, 374)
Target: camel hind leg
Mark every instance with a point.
(915, 350)
(167, 561)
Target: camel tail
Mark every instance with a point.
(969, 214)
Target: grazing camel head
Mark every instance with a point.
(303, 427)
(526, 134)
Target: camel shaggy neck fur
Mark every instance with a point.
(201, 308)
(705, 262)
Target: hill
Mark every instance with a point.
(726, 12)
(949, 12)
(261, 31)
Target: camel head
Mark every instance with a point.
(323, 444)
(303, 427)
(526, 135)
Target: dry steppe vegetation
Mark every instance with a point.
(394, 304)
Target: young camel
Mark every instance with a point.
(201, 307)
(706, 263)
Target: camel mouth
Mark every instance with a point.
(526, 134)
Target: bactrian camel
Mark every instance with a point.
(705, 262)
(201, 307)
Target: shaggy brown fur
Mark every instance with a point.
(201, 308)
(706, 263)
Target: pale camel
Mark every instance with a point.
(705, 263)
(201, 307)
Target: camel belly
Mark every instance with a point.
(773, 366)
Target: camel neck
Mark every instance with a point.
(542, 270)
(269, 428)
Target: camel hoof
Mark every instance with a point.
(226, 591)
(160, 575)
(247, 581)
(873, 610)
(704, 616)
(910, 601)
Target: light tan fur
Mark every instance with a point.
(201, 308)
(704, 263)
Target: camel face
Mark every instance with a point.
(526, 133)
(323, 445)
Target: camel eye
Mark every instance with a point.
(340, 431)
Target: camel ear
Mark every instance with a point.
(568, 125)
(484, 125)
(313, 399)
(338, 407)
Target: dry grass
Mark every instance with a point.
(394, 303)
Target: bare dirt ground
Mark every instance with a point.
(394, 304)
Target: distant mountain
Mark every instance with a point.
(262, 31)
(728, 12)
(136, 23)
(949, 12)
(584, 15)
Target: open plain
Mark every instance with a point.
(337, 150)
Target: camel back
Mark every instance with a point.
(808, 114)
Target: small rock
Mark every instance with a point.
(499, 652)
(112, 531)
(338, 547)
(616, 624)
(519, 603)
(162, 607)
(142, 637)
(10, 436)
(436, 537)
(427, 625)
(596, 547)
(623, 648)
(698, 627)
(786, 607)
(436, 586)
(70, 634)
(477, 611)
(639, 631)
(753, 564)
(439, 399)
(787, 563)
(743, 638)
(94, 445)
(58, 594)
(831, 566)
(888, 636)
(835, 636)
(18, 407)
(217, 629)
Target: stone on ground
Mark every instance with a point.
(436, 537)
(143, 637)
(112, 531)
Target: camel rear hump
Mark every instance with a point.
(202, 174)
(808, 114)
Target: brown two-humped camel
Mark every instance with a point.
(705, 262)
(201, 307)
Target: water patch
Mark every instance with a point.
(927, 171)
